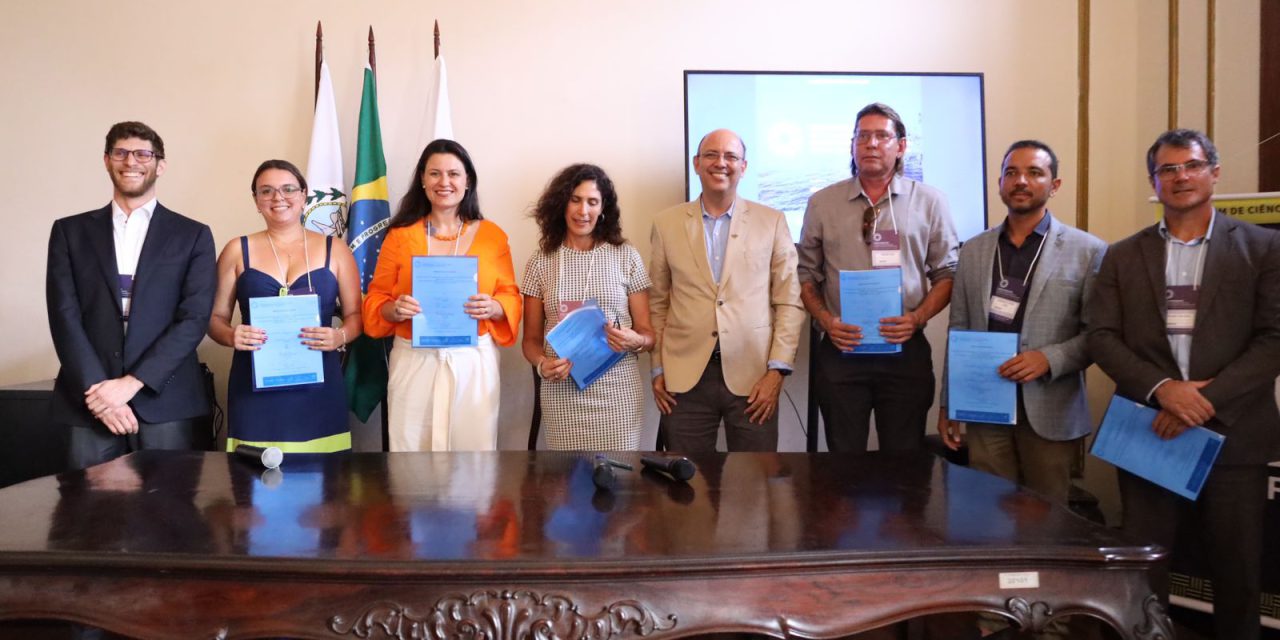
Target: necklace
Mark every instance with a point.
(455, 238)
(442, 238)
(284, 274)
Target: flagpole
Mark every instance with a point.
(437, 34)
(382, 345)
(319, 57)
(373, 62)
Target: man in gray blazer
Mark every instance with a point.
(1031, 276)
(1185, 316)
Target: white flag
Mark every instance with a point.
(326, 210)
(439, 121)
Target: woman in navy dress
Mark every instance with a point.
(286, 259)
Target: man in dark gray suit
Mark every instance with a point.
(1185, 315)
(1030, 276)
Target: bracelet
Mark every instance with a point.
(342, 347)
(538, 368)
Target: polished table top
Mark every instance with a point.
(520, 512)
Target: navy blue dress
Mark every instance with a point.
(302, 419)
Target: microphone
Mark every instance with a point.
(680, 468)
(269, 457)
(602, 472)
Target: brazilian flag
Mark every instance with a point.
(368, 216)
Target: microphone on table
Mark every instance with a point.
(602, 472)
(269, 457)
(680, 468)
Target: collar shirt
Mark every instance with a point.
(128, 232)
(1019, 263)
(716, 235)
(1184, 265)
(832, 240)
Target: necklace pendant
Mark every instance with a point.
(284, 291)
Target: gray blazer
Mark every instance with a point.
(1054, 321)
(1236, 340)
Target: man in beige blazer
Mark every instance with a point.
(726, 309)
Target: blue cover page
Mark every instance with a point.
(1126, 440)
(867, 296)
(975, 391)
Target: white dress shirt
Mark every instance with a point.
(128, 232)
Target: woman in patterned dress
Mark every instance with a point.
(583, 256)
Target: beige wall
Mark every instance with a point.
(536, 86)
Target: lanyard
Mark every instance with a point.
(875, 223)
(284, 282)
(591, 268)
(1000, 263)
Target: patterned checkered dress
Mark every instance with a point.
(608, 415)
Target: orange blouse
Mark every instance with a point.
(393, 278)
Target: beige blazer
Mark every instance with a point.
(754, 311)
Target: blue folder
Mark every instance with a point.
(283, 361)
(975, 391)
(1126, 440)
(865, 298)
(580, 339)
(442, 285)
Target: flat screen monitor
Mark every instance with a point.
(797, 127)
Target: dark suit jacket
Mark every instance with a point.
(169, 315)
(1236, 340)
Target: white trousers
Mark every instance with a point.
(443, 399)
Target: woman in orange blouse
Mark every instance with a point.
(443, 399)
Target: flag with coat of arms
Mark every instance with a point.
(326, 208)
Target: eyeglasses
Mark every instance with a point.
(1193, 168)
(868, 223)
(715, 156)
(267, 192)
(143, 156)
(865, 137)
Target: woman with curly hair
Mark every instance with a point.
(581, 257)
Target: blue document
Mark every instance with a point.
(1126, 440)
(975, 392)
(867, 296)
(442, 285)
(283, 361)
(580, 339)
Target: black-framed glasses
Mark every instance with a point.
(141, 155)
(1192, 167)
(267, 192)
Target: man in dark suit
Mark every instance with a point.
(1185, 315)
(129, 288)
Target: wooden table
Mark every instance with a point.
(519, 544)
